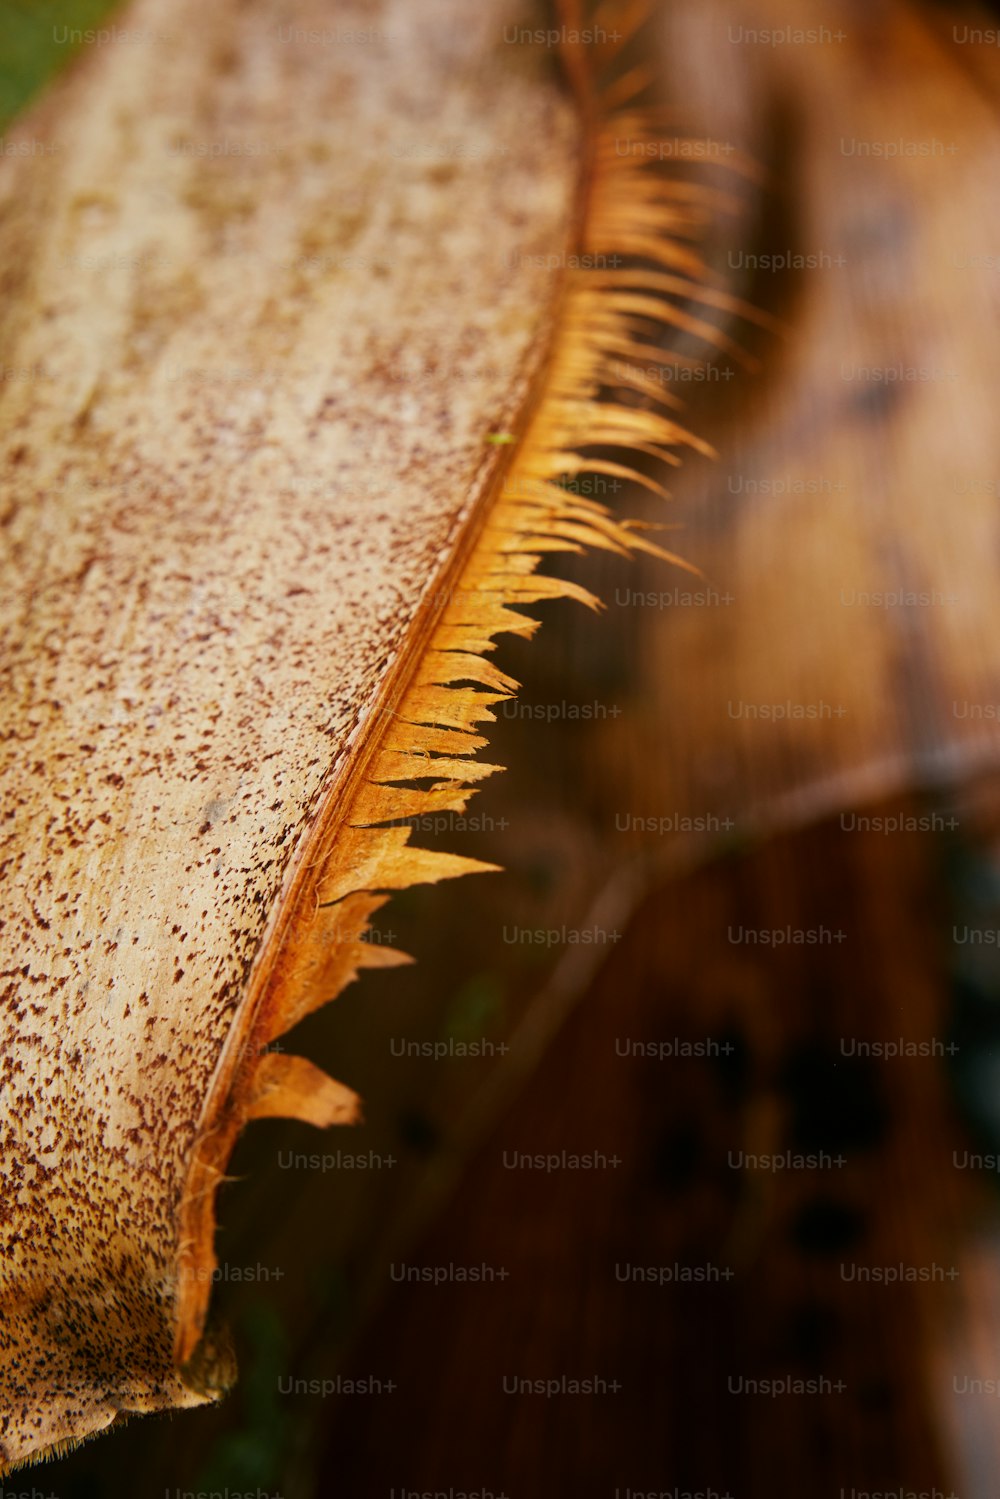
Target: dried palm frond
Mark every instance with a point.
(302, 393)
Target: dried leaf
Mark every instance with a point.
(302, 389)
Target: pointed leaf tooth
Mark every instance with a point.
(382, 859)
(439, 668)
(541, 586)
(377, 803)
(451, 707)
(538, 544)
(289, 1087)
(415, 738)
(397, 765)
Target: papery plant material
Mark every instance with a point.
(298, 384)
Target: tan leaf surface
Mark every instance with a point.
(305, 356)
(259, 362)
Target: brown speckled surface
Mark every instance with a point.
(242, 419)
